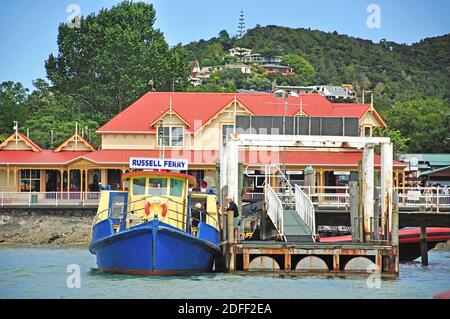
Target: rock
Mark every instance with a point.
(443, 246)
(37, 229)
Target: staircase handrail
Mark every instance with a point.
(305, 208)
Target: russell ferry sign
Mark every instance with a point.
(158, 163)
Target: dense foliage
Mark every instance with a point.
(394, 72)
(426, 123)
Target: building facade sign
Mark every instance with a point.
(158, 163)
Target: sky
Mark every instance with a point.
(29, 28)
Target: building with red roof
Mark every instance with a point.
(183, 125)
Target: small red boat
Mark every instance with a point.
(409, 239)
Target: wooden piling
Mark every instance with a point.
(354, 211)
(287, 262)
(241, 227)
(395, 242)
(230, 226)
(423, 245)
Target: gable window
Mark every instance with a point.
(170, 136)
(227, 129)
(367, 131)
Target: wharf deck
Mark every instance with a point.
(310, 257)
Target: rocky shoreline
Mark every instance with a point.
(443, 246)
(19, 228)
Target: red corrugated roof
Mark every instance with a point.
(202, 107)
(44, 157)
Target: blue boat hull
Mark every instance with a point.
(154, 248)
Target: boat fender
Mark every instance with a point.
(164, 209)
(148, 205)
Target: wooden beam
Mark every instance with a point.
(386, 189)
(368, 189)
(68, 180)
(43, 180)
(423, 246)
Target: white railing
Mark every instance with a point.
(49, 198)
(427, 201)
(432, 198)
(275, 209)
(330, 199)
(305, 208)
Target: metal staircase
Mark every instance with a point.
(288, 208)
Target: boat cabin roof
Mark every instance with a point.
(191, 180)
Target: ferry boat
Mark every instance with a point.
(153, 227)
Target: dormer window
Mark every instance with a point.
(170, 136)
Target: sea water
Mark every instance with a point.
(48, 272)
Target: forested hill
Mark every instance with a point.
(396, 72)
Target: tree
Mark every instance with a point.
(304, 70)
(57, 112)
(400, 143)
(241, 26)
(40, 130)
(258, 84)
(108, 62)
(424, 121)
(13, 105)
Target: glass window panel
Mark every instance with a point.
(176, 187)
(35, 185)
(25, 185)
(139, 186)
(126, 185)
(164, 140)
(177, 136)
(157, 186)
(35, 173)
(226, 131)
(117, 206)
(25, 173)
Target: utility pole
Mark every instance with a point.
(150, 83)
(161, 139)
(16, 131)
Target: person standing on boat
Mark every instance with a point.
(233, 207)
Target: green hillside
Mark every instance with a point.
(394, 71)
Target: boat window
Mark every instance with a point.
(157, 186)
(176, 187)
(139, 186)
(117, 205)
(126, 185)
